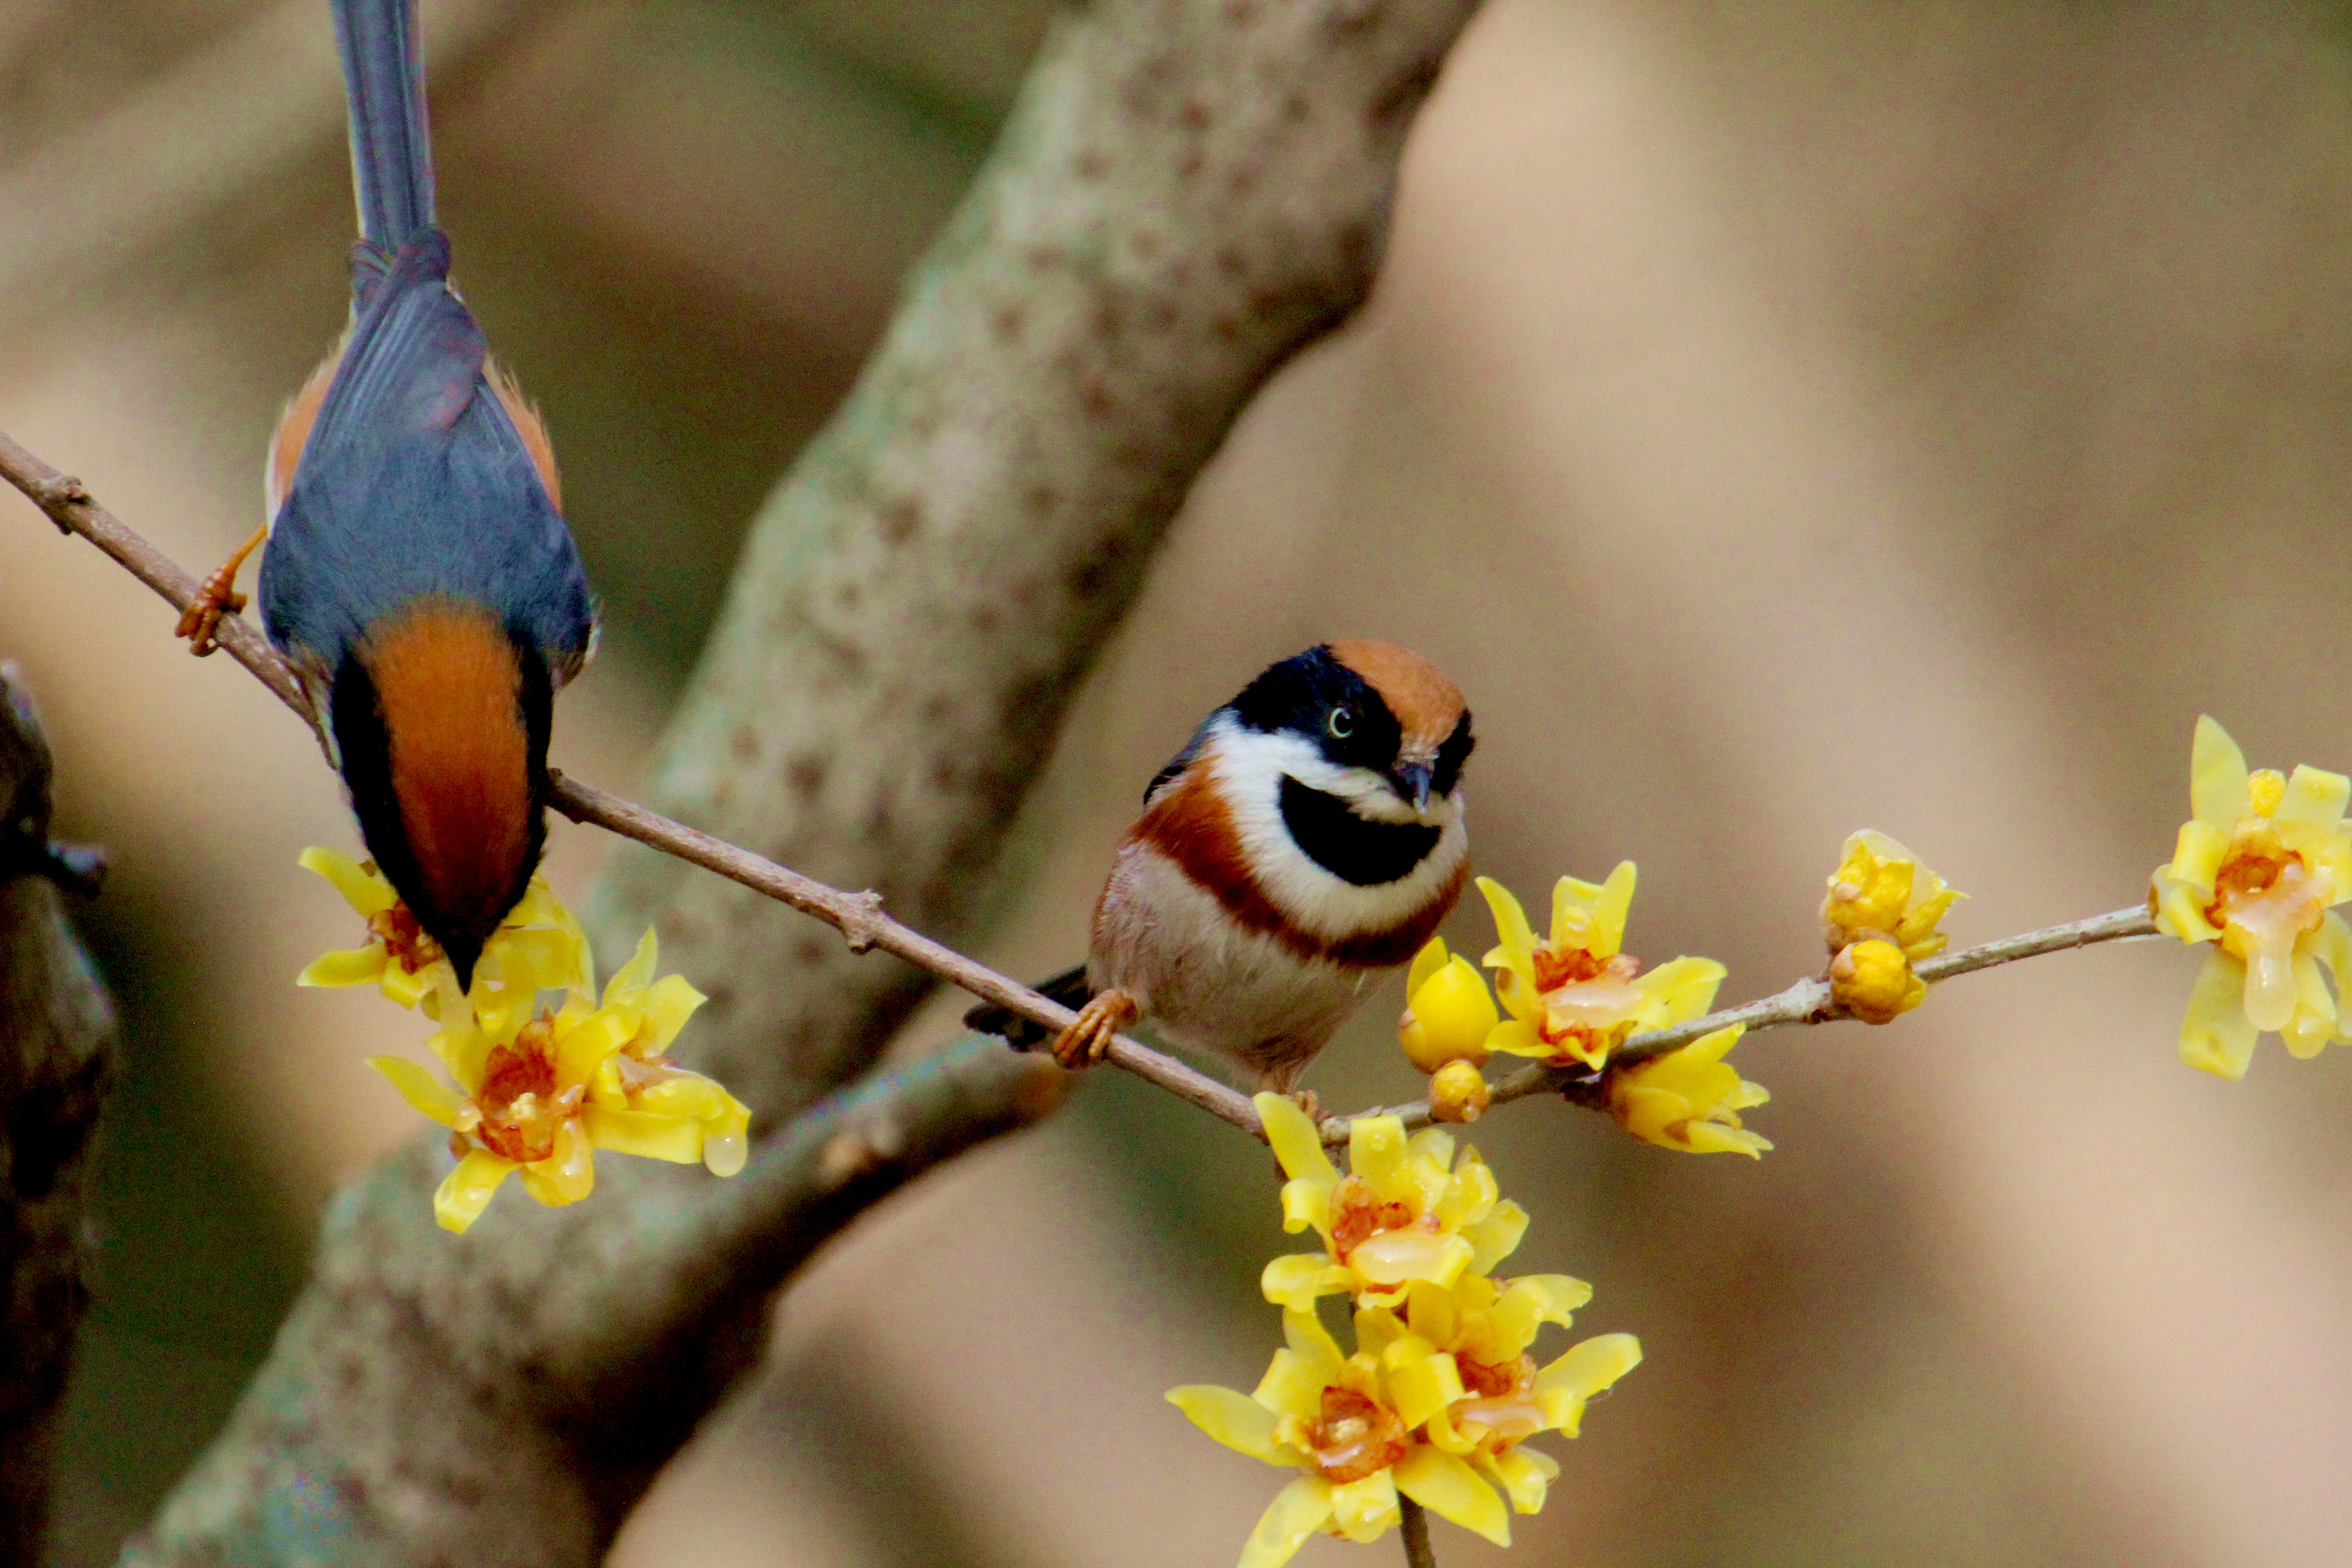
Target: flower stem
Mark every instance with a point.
(1415, 1531)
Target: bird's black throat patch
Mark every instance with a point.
(1353, 848)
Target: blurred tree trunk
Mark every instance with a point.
(56, 1048)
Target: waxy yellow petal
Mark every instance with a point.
(1233, 1418)
(467, 1190)
(678, 1140)
(1297, 1146)
(1446, 1486)
(1516, 936)
(346, 966)
(568, 1174)
(1518, 1037)
(2314, 795)
(1431, 958)
(1376, 1154)
(1497, 1236)
(1297, 1511)
(1293, 1384)
(1565, 1386)
(2216, 1036)
(364, 891)
(420, 1089)
(1608, 906)
(1420, 1385)
(1362, 1509)
(1299, 1279)
(2218, 794)
(1524, 1474)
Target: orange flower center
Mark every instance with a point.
(2264, 894)
(520, 1110)
(1357, 1436)
(1357, 1214)
(1502, 1401)
(406, 943)
(1554, 970)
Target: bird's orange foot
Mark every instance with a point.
(1082, 1045)
(216, 598)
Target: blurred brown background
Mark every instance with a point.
(1782, 418)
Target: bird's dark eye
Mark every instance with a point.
(1341, 723)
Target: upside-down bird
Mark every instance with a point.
(418, 574)
(1306, 839)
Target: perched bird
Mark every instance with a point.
(1306, 839)
(418, 575)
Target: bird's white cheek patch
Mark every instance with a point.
(1250, 767)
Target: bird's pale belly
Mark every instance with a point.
(1205, 981)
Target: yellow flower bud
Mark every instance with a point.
(1458, 1092)
(1873, 981)
(1447, 1016)
(1881, 890)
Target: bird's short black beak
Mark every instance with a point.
(1412, 780)
(464, 952)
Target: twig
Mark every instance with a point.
(1414, 1525)
(1806, 1001)
(74, 510)
(859, 918)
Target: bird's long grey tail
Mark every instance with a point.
(391, 153)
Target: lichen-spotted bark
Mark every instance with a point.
(1189, 191)
(57, 1051)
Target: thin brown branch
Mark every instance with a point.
(74, 510)
(862, 925)
(1412, 1523)
(859, 919)
(857, 916)
(1806, 1001)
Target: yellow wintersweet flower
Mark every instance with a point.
(1431, 1405)
(537, 947)
(535, 1092)
(2256, 871)
(1471, 1344)
(1407, 1210)
(1881, 890)
(1575, 996)
(1448, 1011)
(1336, 1419)
(1690, 1099)
(590, 1076)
